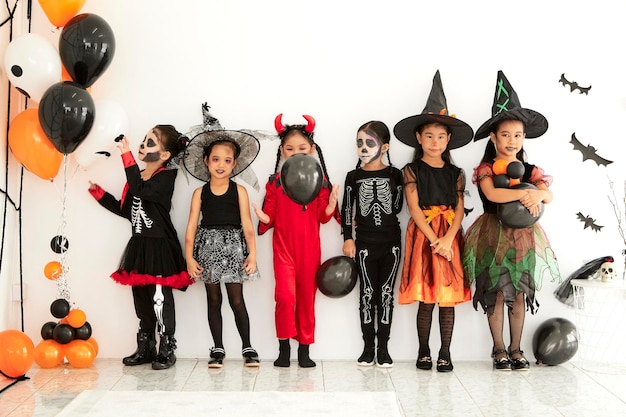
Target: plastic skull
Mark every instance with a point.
(607, 272)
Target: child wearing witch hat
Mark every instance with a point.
(434, 187)
(507, 263)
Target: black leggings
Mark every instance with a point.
(237, 304)
(147, 306)
(377, 265)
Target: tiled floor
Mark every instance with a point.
(472, 389)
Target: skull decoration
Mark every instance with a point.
(607, 272)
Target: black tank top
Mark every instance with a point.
(220, 210)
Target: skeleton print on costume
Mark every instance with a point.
(159, 298)
(375, 197)
(387, 288)
(138, 216)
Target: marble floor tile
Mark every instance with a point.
(473, 388)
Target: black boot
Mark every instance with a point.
(284, 354)
(303, 357)
(146, 350)
(166, 358)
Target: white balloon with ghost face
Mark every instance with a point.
(32, 65)
(110, 122)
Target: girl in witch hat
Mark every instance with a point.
(507, 263)
(220, 245)
(434, 186)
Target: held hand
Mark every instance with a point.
(349, 248)
(260, 214)
(332, 198)
(194, 269)
(249, 265)
(123, 145)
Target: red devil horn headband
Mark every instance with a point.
(280, 127)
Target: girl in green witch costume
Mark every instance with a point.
(507, 264)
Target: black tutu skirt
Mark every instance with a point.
(148, 261)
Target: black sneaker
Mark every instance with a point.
(250, 357)
(425, 363)
(216, 357)
(367, 357)
(383, 360)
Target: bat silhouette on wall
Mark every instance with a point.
(468, 210)
(589, 222)
(589, 152)
(573, 85)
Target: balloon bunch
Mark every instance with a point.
(509, 175)
(69, 338)
(59, 81)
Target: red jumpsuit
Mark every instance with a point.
(297, 255)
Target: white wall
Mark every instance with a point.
(344, 63)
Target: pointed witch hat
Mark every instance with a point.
(506, 106)
(436, 111)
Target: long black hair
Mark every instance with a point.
(380, 131)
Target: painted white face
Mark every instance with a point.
(368, 147)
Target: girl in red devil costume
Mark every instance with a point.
(296, 244)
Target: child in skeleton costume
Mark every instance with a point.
(372, 200)
(220, 242)
(296, 244)
(152, 262)
(434, 187)
(507, 264)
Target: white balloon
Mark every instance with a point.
(32, 64)
(110, 122)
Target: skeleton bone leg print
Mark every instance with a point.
(375, 196)
(139, 216)
(368, 291)
(159, 299)
(387, 288)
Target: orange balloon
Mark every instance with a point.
(93, 343)
(76, 318)
(514, 181)
(499, 166)
(31, 147)
(59, 12)
(53, 270)
(16, 353)
(80, 353)
(48, 354)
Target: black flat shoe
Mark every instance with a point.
(425, 363)
(503, 363)
(216, 357)
(521, 363)
(367, 357)
(444, 365)
(250, 357)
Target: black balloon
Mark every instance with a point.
(513, 214)
(66, 114)
(59, 244)
(87, 47)
(60, 308)
(555, 341)
(337, 276)
(515, 169)
(47, 330)
(63, 333)
(501, 181)
(83, 332)
(301, 177)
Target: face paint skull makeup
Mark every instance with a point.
(150, 148)
(368, 147)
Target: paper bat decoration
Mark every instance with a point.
(589, 152)
(589, 222)
(468, 210)
(573, 85)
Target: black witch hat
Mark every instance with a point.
(436, 111)
(506, 105)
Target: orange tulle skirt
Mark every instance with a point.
(429, 277)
